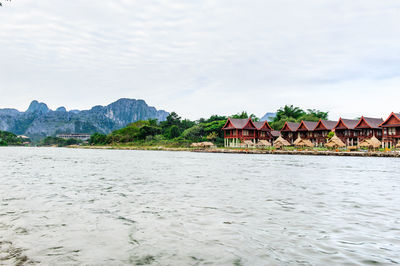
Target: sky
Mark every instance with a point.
(203, 57)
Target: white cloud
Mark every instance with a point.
(203, 57)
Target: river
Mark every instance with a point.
(112, 207)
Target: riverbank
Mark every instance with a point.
(249, 151)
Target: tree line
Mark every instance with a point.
(178, 131)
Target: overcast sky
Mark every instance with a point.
(202, 57)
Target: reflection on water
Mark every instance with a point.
(65, 206)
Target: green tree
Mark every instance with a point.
(146, 130)
(194, 133)
(174, 132)
(241, 115)
(289, 111)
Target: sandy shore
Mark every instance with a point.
(250, 151)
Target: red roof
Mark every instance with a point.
(262, 125)
(275, 133)
(290, 126)
(307, 126)
(234, 123)
(346, 124)
(368, 122)
(392, 116)
(325, 125)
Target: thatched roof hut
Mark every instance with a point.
(263, 143)
(297, 141)
(247, 143)
(280, 142)
(335, 142)
(203, 145)
(373, 143)
(398, 145)
(304, 143)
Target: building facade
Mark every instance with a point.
(288, 131)
(391, 130)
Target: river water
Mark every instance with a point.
(109, 207)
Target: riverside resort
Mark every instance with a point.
(364, 132)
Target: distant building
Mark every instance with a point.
(391, 130)
(81, 136)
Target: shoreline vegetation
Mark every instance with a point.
(176, 134)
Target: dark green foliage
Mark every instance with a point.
(148, 130)
(98, 139)
(54, 141)
(173, 132)
(290, 113)
(8, 138)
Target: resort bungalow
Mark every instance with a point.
(322, 130)
(346, 132)
(369, 127)
(288, 131)
(263, 131)
(239, 131)
(305, 130)
(391, 130)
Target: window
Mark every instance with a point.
(245, 132)
(262, 134)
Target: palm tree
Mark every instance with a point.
(289, 111)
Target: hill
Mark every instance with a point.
(39, 121)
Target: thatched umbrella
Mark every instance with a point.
(297, 141)
(247, 143)
(203, 145)
(371, 143)
(375, 143)
(264, 143)
(304, 143)
(280, 142)
(335, 142)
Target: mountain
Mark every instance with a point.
(268, 117)
(39, 121)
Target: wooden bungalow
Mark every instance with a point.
(263, 131)
(391, 131)
(237, 131)
(305, 130)
(288, 131)
(346, 132)
(322, 130)
(368, 128)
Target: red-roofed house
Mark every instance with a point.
(305, 130)
(237, 131)
(346, 132)
(322, 130)
(369, 127)
(288, 131)
(263, 131)
(391, 130)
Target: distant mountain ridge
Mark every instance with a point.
(268, 117)
(39, 120)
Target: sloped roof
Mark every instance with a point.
(291, 125)
(397, 115)
(275, 133)
(237, 123)
(349, 123)
(308, 124)
(335, 142)
(371, 122)
(259, 125)
(327, 124)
